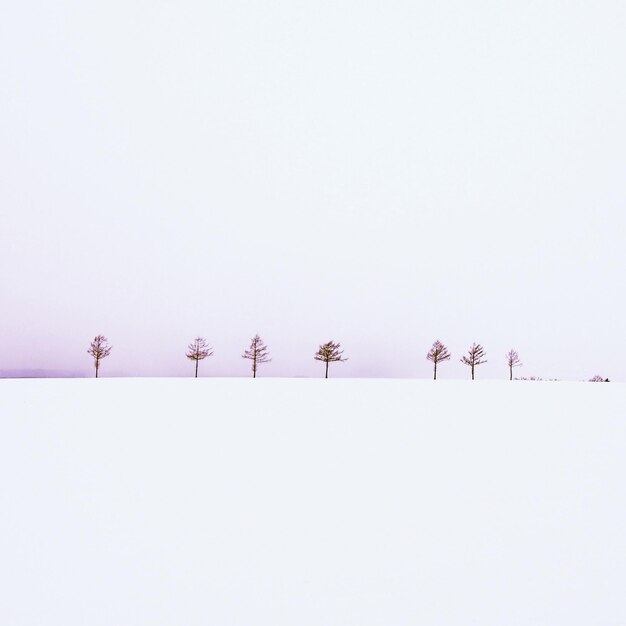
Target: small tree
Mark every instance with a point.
(437, 354)
(99, 349)
(512, 360)
(329, 353)
(474, 357)
(197, 350)
(258, 353)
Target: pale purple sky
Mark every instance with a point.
(378, 173)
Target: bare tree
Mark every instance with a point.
(474, 357)
(258, 353)
(329, 353)
(99, 349)
(437, 354)
(513, 360)
(197, 350)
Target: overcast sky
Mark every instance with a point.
(378, 173)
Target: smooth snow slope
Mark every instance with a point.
(239, 502)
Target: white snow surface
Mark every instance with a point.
(274, 502)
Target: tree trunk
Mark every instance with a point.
(326, 370)
(435, 375)
(196, 368)
(510, 372)
(472, 372)
(97, 368)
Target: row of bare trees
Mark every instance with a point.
(258, 353)
(199, 349)
(474, 357)
(329, 352)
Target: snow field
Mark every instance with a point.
(239, 502)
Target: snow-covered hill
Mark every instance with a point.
(239, 502)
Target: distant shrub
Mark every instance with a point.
(598, 379)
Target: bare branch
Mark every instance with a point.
(199, 349)
(438, 353)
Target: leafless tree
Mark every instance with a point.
(513, 360)
(329, 353)
(258, 353)
(99, 349)
(197, 350)
(437, 354)
(474, 357)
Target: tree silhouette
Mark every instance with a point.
(257, 352)
(99, 349)
(437, 354)
(474, 357)
(513, 360)
(329, 353)
(197, 350)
